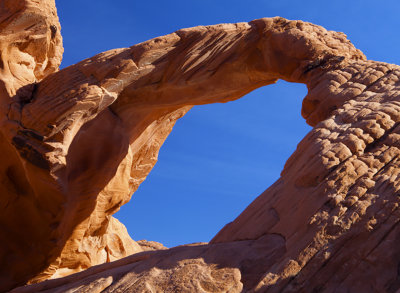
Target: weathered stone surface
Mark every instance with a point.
(150, 245)
(78, 142)
(228, 267)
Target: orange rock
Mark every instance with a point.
(77, 143)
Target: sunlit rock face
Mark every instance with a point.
(76, 143)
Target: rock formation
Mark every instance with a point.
(76, 143)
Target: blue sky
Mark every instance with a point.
(219, 157)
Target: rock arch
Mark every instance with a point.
(77, 142)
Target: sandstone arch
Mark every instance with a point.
(79, 141)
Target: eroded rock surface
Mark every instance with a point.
(77, 143)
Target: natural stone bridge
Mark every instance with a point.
(76, 143)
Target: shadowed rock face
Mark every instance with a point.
(76, 143)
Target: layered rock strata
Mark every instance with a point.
(76, 143)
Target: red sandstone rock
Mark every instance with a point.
(78, 142)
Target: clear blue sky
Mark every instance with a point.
(219, 157)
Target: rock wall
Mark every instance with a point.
(77, 143)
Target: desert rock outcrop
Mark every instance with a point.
(76, 143)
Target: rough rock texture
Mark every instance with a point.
(150, 245)
(78, 142)
(41, 235)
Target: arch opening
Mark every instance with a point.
(217, 160)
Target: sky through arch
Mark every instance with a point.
(216, 161)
